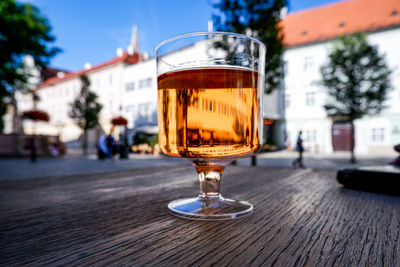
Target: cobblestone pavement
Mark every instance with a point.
(320, 161)
(44, 167)
(77, 164)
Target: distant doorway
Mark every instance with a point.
(341, 136)
(269, 128)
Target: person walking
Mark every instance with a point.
(33, 154)
(299, 147)
(111, 146)
(102, 149)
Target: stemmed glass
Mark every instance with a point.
(210, 88)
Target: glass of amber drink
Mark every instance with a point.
(210, 88)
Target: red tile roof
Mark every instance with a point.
(127, 58)
(346, 17)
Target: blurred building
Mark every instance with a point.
(139, 96)
(116, 85)
(126, 86)
(308, 39)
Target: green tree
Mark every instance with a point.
(23, 31)
(258, 18)
(85, 110)
(357, 81)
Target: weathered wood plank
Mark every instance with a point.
(302, 217)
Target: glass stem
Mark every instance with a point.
(210, 185)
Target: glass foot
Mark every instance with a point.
(217, 208)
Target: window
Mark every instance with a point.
(145, 83)
(144, 109)
(129, 108)
(310, 136)
(287, 100)
(310, 99)
(148, 82)
(308, 63)
(141, 84)
(378, 135)
(130, 86)
(110, 79)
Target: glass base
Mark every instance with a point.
(209, 209)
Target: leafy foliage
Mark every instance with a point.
(144, 138)
(259, 19)
(23, 31)
(356, 78)
(85, 109)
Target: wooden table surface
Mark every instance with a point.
(301, 217)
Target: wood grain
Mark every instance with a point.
(301, 217)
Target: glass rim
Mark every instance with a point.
(191, 34)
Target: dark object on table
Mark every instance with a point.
(378, 179)
(396, 161)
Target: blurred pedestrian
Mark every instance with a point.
(53, 150)
(102, 150)
(111, 146)
(33, 154)
(299, 148)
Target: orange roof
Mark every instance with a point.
(127, 58)
(346, 17)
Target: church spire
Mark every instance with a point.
(134, 45)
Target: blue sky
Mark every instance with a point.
(92, 30)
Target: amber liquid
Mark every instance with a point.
(208, 113)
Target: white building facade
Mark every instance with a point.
(58, 93)
(305, 97)
(139, 96)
